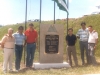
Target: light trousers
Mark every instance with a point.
(8, 58)
(92, 53)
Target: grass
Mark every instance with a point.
(75, 24)
(87, 69)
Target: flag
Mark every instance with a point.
(62, 5)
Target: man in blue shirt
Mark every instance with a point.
(19, 40)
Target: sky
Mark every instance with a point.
(13, 11)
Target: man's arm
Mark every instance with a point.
(78, 34)
(3, 41)
(96, 39)
(25, 37)
(36, 40)
(75, 39)
(66, 40)
(25, 40)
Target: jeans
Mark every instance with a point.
(18, 55)
(30, 51)
(84, 46)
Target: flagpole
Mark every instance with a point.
(54, 12)
(40, 9)
(67, 15)
(39, 26)
(25, 25)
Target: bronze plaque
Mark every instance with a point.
(51, 43)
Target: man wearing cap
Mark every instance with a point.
(83, 35)
(19, 41)
(31, 39)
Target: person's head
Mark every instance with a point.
(10, 31)
(31, 26)
(83, 25)
(70, 31)
(20, 29)
(90, 28)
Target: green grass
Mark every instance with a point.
(93, 20)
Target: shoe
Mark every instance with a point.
(10, 71)
(16, 70)
(83, 64)
(31, 67)
(4, 72)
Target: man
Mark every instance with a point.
(92, 43)
(7, 43)
(83, 35)
(31, 39)
(19, 40)
(71, 40)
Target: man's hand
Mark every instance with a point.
(95, 46)
(78, 37)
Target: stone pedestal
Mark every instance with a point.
(50, 65)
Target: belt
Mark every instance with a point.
(31, 43)
(9, 48)
(91, 43)
(18, 45)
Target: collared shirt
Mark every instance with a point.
(8, 41)
(31, 36)
(83, 34)
(71, 40)
(92, 37)
(19, 38)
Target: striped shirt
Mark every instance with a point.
(83, 34)
(19, 38)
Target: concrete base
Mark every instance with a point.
(50, 65)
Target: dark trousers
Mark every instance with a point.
(92, 53)
(72, 51)
(84, 46)
(30, 54)
(18, 55)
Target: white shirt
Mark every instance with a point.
(92, 37)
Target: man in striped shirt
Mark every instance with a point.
(19, 40)
(83, 35)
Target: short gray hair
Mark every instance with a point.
(10, 29)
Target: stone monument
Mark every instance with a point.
(51, 47)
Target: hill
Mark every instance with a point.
(93, 20)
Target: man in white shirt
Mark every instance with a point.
(92, 43)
